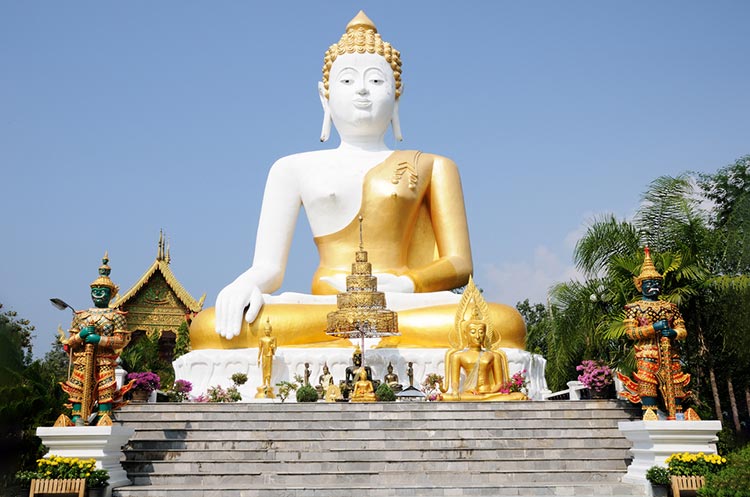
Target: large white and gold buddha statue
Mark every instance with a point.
(414, 220)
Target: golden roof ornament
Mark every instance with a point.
(362, 37)
(648, 270)
(103, 279)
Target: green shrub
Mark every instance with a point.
(306, 393)
(658, 475)
(239, 378)
(384, 393)
(733, 480)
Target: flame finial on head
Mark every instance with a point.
(103, 279)
(648, 270)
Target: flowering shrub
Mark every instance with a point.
(61, 468)
(239, 378)
(218, 394)
(431, 387)
(180, 391)
(700, 464)
(147, 382)
(595, 374)
(517, 383)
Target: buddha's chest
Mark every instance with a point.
(339, 191)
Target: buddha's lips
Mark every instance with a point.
(362, 104)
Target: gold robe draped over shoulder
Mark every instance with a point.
(414, 225)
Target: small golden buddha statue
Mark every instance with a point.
(391, 379)
(477, 355)
(266, 351)
(363, 390)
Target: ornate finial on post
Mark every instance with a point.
(167, 257)
(361, 243)
(160, 250)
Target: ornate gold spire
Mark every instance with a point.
(361, 309)
(103, 279)
(362, 37)
(648, 270)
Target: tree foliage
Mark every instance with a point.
(704, 255)
(30, 394)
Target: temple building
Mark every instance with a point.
(158, 303)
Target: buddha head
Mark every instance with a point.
(361, 83)
(362, 374)
(103, 288)
(357, 357)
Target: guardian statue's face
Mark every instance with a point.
(651, 288)
(101, 295)
(362, 94)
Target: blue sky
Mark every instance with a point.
(118, 119)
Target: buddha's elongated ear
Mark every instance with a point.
(325, 132)
(396, 123)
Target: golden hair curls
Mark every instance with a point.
(362, 37)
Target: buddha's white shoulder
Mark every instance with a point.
(302, 159)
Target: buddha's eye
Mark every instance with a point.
(377, 81)
(347, 81)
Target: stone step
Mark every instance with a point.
(416, 434)
(385, 454)
(393, 479)
(231, 412)
(410, 449)
(326, 444)
(380, 425)
(528, 490)
(398, 463)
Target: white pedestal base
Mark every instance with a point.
(654, 441)
(103, 443)
(206, 368)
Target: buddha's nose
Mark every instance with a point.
(362, 91)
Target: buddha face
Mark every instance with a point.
(101, 296)
(362, 94)
(476, 333)
(357, 359)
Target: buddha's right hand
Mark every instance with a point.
(230, 305)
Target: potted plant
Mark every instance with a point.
(384, 393)
(143, 384)
(597, 376)
(180, 391)
(658, 476)
(68, 468)
(432, 387)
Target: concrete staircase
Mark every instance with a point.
(381, 449)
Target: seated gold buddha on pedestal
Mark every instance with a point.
(475, 352)
(412, 203)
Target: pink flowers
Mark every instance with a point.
(517, 383)
(595, 374)
(147, 382)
